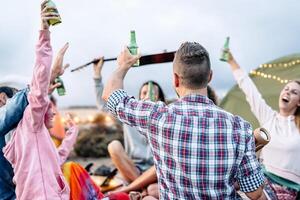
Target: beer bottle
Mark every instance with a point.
(53, 22)
(225, 51)
(151, 91)
(133, 48)
(61, 91)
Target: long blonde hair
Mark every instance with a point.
(297, 113)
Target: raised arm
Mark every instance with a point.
(68, 142)
(101, 104)
(127, 109)
(58, 68)
(12, 112)
(133, 112)
(260, 109)
(38, 96)
(125, 61)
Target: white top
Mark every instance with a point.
(282, 155)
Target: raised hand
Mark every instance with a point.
(69, 121)
(232, 62)
(126, 60)
(52, 87)
(47, 14)
(98, 68)
(58, 68)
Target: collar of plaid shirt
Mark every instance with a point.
(197, 98)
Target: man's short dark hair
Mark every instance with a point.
(192, 65)
(8, 91)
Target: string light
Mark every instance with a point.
(270, 76)
(286, 64)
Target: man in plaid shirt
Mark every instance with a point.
(199, 150)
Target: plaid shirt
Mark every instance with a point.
(199, 150)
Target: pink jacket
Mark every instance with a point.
(31, 152)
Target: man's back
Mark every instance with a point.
(199, 149)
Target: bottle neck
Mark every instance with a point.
(132, 38)
(226, 45)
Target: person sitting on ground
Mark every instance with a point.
(280, 157)
(136, 157)
(199, 150)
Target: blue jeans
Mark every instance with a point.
(10, 115)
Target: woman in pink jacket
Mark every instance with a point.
(35, 160)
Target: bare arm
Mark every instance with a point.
(147, 178)
(125, 61)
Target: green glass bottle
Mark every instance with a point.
(133, 48)
(225, 54)
(61, 91)
(53, 22)
(151, 91)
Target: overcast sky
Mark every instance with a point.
(260, 31)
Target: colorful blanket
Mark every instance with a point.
(81, 185)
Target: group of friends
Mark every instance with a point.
(189, 149)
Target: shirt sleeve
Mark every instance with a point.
(133, 112)
(67, 144)
(260, 109)
(12, 112)
(38, 96)
(101, 104)
(250, 175)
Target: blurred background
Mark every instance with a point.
(260, 31)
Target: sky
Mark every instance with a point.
(260, 31)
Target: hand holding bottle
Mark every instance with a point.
(46, 15)
(52, 87)
(133, 47)
(231, 61)
(126, 59)
(225, 56)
